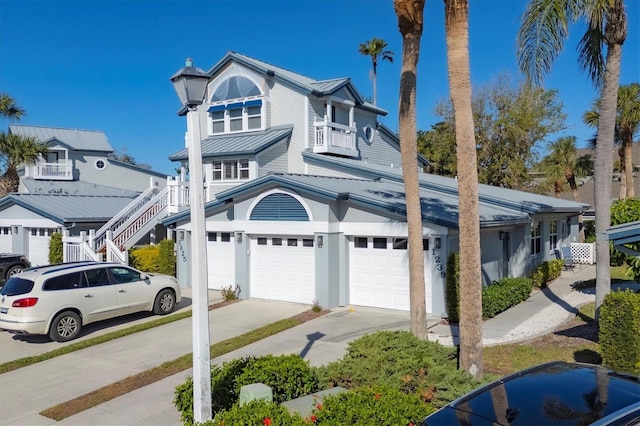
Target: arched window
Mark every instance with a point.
(279, 206)
(229, 113)
(235, 87)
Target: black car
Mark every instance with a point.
(555, 393)
(11, 264)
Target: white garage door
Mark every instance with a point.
(39, 245)
(379, 272)
(221, 266)
(283, 268)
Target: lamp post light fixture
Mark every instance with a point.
(190, 84)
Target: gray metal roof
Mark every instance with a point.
(309, 85)
(239, 144)
(81, 140)
(69, 208)
(385, 196)
(511, 199)
(74, 188)
(625, 233)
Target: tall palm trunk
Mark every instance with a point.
(628, 161)
(410, 24)
(623, 172)
(457, 34)
(615, 34)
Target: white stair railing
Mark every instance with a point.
(132, 218)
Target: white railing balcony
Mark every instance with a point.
(334, 138)
(61, 170)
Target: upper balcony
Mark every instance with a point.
(334, 138)
(62, 170)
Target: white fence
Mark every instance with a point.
(584, 253)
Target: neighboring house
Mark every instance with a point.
(306, 198)
(77, 188)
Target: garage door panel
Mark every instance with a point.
(220, 261)
(379, 277)
(283, 272)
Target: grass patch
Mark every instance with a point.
(617, 274)
(506, 359)
(83, 344)
(169, 368)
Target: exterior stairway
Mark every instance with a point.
(112, 241)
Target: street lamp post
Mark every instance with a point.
(190, 84)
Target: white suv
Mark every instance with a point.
(59, 299)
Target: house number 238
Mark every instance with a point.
(439, 266)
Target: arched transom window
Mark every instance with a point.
(237, 106)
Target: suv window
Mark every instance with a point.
(16, 286)
(97, 277)
(64, 282)
(124, 275)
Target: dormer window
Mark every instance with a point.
(236, 116)
(236, 106)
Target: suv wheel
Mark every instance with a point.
(165, 302)
(66, 326)
(16, 269)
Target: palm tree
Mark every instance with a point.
(540, 39)
(15, 151)
(627, 125)
(375, 48)
(457, 35)
(9, 109)
(410, 23)
(562, 164)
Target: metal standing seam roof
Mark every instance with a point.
(69, 208)
(240, 144)
(511, 199)
(45, 187)
(383, 195)
(625, 233)
(317, 87)
(82, 140)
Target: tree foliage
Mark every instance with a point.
(511, 123)
(375, 48)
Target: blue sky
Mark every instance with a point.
(105, 64)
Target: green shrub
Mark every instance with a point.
(546, 272)
(504, 294)
(55, 248)
(145, 258)
(289, 376)
(619, 331)
(167, 258)
(399, 360)
(452, 287)
(256, 413)
(372, 406)
(223, 388)
(229, 293)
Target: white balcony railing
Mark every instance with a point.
(335, 138)
(61, 170)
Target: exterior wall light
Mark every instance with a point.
(320, 241)
(437, 243)
(239, 237)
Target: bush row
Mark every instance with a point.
(619, 331)
(497, 297)
(546, 272)
(158, 258)
(392, 378)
